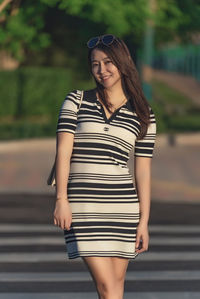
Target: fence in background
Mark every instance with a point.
(184, 60)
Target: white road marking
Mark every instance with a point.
(85, 276)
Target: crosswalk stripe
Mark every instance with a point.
(169, 256)
(42, 240)
(92, 295)
(173, 241)
(62, 256)
(69, 295)
(52, 228)
(154, 284)
(174, 228)
(29, 228)
(85, 276)
(33, 241)
(34, 257)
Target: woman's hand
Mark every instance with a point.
(142, 238)
(62, 214)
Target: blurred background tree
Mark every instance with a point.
(54, 32)
(21, 28)
(44, 44)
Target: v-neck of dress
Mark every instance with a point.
(108, 120)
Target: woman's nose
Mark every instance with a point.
(101, 68)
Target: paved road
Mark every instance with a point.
(24, 166)
(185, 84)
(34, 263)
(33, 260)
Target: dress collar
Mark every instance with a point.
(91, 94)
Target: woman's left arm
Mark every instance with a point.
(142, 169)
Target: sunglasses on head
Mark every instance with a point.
(106, 39)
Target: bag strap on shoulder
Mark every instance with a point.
(80, 95)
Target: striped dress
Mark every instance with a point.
(103, 198)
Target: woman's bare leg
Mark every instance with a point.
(120, 266)
(108, 274)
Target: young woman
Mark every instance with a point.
(103, 215)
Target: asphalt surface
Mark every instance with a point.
(38, 208)
(33, 258)
(34, 262)
(25, 165)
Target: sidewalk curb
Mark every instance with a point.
(45, 144)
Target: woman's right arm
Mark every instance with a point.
(66, 127)
(64, 147)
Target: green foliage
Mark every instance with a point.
(186, 123)
(173, 100)
(176, 19)
(31, 99)
(191, 24)
(174, 111)
(8, 91)
(26, 29)
(160, 117)
(37, 91)
(124, 17)
(120, 17)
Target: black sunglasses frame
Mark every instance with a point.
(99, 39)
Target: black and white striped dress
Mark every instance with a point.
(103, 199)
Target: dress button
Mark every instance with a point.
(106, 129)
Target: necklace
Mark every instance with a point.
(115, 108)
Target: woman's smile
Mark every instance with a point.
(105, 78)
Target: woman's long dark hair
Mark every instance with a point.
(120, 56)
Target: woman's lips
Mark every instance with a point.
(105, 78)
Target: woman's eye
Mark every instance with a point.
(96, 64)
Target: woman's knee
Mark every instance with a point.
(120, 279)
(110, 289)
(104, 287)
(109, 284)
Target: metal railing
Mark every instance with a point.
(184, 60)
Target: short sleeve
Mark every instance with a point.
(67, 119)
(144, 147)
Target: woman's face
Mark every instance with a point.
(104, 71)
